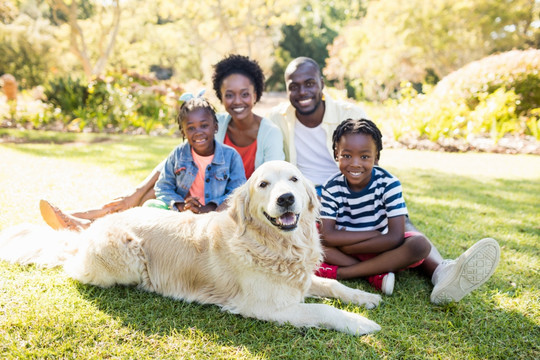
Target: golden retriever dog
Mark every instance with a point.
(256, 258)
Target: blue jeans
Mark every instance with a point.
(318, 189)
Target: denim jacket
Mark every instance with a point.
(223, 175)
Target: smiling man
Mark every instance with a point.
(308, 121)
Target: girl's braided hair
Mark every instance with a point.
(191, 105)
(360, 126)
(238, 64)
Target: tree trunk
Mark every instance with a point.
(104, 56)
(76, 37)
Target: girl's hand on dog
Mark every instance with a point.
(192, 204)
(207, 208)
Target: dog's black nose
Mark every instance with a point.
(285, 200)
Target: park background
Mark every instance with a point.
(88, 96)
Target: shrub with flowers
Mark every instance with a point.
(495, 96)
(117, 102)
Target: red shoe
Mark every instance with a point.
(383, 282)
(327, 271)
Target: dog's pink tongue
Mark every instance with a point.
(288, 219)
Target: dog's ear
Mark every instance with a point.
(239, 206)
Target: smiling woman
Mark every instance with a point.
(239, 83)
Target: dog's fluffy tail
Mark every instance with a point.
(103, 255)
(32, 244)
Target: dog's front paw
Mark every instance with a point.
(359, 325)
(369, 300)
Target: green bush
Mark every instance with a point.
(29, 50)
(517, 71)
(494, 96)
(68, 94)
(116, 102)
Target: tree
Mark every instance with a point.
(8, 11)
(187, 36)
(243, 26)
(69, 13)
(317, 26)
(191, 36)
(405, 40)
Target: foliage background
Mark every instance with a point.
(374, 43)
(118, 66)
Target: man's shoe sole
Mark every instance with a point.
(473, 268)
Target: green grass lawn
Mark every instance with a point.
(456, 199)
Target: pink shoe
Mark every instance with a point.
(383, 282)
(327, 271)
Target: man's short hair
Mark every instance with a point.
(299, 61)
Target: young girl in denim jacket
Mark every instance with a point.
(200, 174)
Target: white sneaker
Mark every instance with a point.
(453, 279)
(383, 282)
(388, 283)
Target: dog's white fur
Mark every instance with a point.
(237, 259)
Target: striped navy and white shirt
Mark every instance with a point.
(365, 210)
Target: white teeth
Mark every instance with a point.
(287, 219)
(285, 222)
(239, 110)
(355, 173)
(304, 102)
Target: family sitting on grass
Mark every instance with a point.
(365, 228)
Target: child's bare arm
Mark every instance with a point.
(333, 237)
(380, 243)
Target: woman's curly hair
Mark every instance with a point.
(238, 64)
